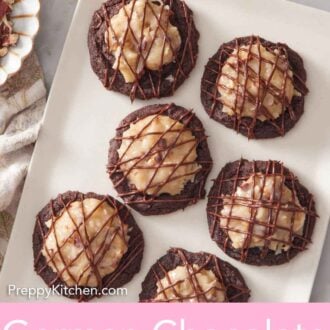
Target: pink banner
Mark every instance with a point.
(165, 317)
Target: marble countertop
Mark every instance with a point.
(55, 21)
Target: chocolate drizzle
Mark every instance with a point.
(128, 265)
(253, 127)
(224, 188)
(231, 282)
(164, 203)
(150, 83)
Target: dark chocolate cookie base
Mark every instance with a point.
(152, 84)
(261, 130)
(165, 203)
(236, 288)
(255, 256)
(128, 266)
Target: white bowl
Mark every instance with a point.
(25, 18)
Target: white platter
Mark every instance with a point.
(81, 117)
(25, 19)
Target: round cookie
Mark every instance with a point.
(86, 241)
(182, 276)
(266, 98)
(153, 57)
(159, 160)
(259, 213)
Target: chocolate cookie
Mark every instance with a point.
(182, 276)
(266, 98)
(86, 242)
(259, 213)
(152, 55)
(159, 160)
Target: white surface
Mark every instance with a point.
(25, 23)
(321, 288)
(82, 116)
(49, 45)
